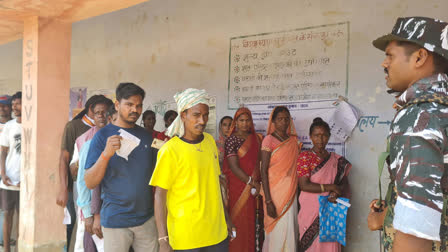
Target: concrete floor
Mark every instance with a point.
(13, 249)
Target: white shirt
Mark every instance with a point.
(11, 137)
(1, 127)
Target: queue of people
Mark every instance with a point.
(208, 194)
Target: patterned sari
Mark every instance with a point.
(321, 171)
(242, 204)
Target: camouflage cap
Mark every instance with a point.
(429, 33)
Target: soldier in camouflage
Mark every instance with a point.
(416, 68)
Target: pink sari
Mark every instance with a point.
(330, 171)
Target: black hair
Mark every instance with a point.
(147, 113)
(318, 122)
(409, 47)
(279, 109)
(224, 118)
(111, 111)
(102, 100)
(128, 89)
(168, 114)
(439, 62)
(93, 99)
(17, 95)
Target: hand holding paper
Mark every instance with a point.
(157, 143)
(99, 242)
(128, 143)
(113, 144)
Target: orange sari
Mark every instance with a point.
(283, 180)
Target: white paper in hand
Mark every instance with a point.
(128, 143)
(157, 143)
(98, 242)
(67, 219)
(343, 202)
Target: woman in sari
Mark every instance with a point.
(242, 170)
(224, 131)
(320, 173)
(279, 152)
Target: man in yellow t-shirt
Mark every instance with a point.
(188, 205)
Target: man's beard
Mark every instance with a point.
(128, 119)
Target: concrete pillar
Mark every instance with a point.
(45, 105)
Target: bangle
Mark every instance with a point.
(104, 157)
(322, 188)
(249, 181)
(165, 238)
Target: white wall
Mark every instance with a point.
(167, 46)
(11, 67)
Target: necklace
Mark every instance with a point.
(322, 155)
(278, 136)
(198, 149)
(195, 143)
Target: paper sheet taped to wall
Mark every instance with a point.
(343, 120)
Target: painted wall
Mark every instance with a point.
(167, 46)
(11, 67)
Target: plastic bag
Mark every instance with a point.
(332, 220)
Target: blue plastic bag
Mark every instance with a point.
(332, 220)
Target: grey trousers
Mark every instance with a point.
(142, 238)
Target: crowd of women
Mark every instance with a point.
(270, 184)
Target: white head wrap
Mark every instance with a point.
(185, 100)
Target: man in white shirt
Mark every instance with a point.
(10, 156)
(5, 110)
(5, 116)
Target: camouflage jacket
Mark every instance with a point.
(418, 143)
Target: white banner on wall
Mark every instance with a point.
(298, 65)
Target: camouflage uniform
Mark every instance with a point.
(418, 143)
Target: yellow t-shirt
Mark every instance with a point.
(190, 173)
